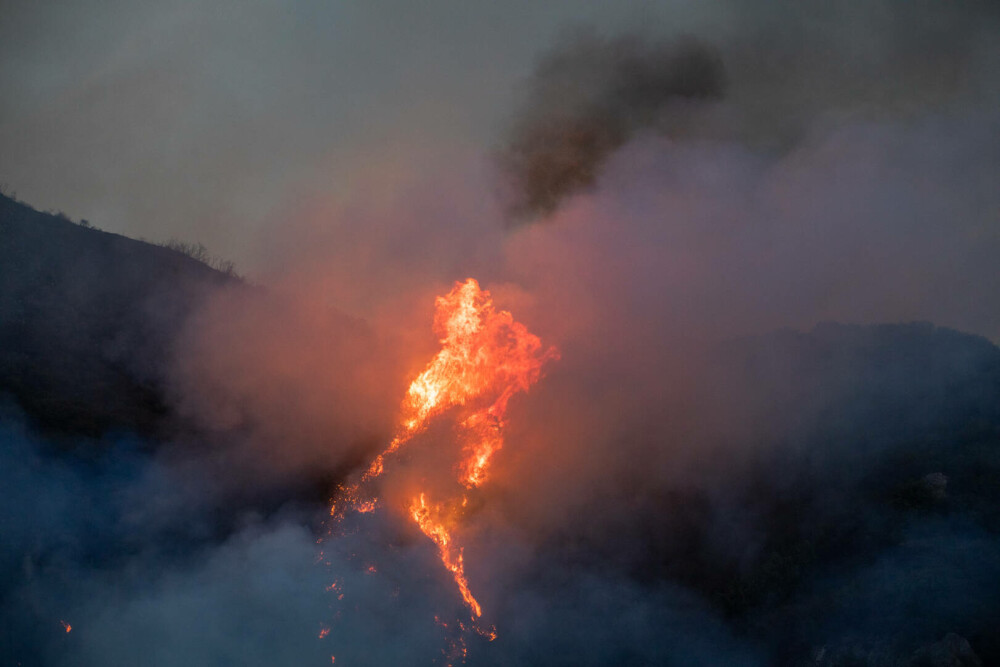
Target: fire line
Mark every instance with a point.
(486, 358)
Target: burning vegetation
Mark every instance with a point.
(685, 488)
(486, 358)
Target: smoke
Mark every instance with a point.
(704, 477)
(283, 383)
(158, 559)
(766, 83)
(587, 99)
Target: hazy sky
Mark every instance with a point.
(198, 120)
(854, 152)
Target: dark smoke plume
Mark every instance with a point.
(784, 74)
(587, 98)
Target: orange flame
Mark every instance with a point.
(430, 522)
(66, 625)
(486, 358)
(482, 349)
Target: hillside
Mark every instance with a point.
(86, 322)
(839, 504)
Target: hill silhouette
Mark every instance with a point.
(86, 321)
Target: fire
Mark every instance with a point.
(66, 626)
(486, 358)
(487, 439)
(430, 521)
(482, 349)
(367, 506)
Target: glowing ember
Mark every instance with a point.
(66, 625)
(486, 358)
(368, 506)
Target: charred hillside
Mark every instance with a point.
(86, 322)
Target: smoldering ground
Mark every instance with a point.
(683, 487)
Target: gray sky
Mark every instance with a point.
(855, 152)
(198, 120)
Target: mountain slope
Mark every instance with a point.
(86, 321)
